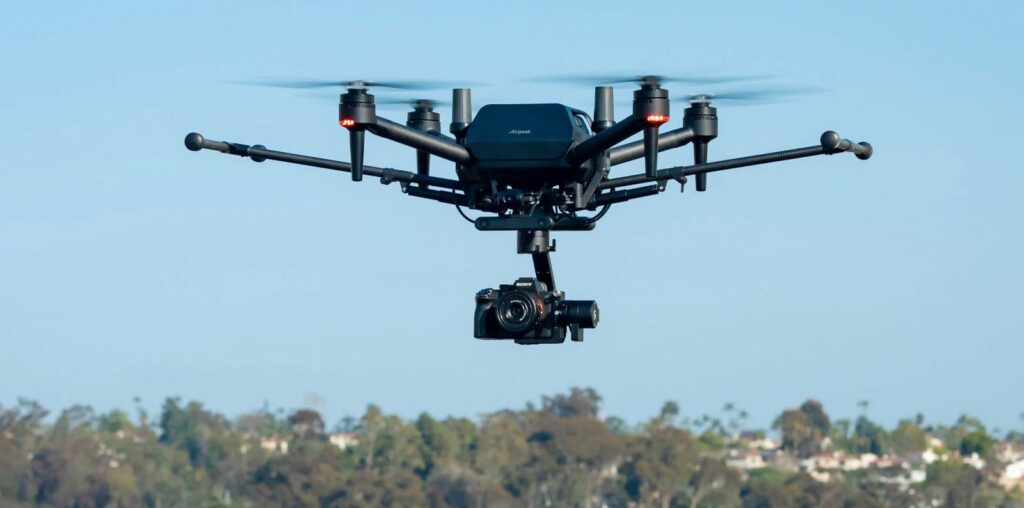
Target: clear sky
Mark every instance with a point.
(130, 266)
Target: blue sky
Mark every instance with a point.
(132, 267)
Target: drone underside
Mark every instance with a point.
(533, 168)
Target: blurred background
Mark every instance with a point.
(131, 267)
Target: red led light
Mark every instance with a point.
(657, 119)
(347, 122)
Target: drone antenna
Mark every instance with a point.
(462, 113)
(604, 108)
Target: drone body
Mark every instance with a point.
(533, 168)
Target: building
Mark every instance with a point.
(1013, 475)
(274, 444)
(343, 439)
(745, 460)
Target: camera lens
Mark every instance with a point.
(518, 311)
(584, 312)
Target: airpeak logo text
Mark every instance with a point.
(519, 132)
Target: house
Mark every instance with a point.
(886, 462)
(274, 444)
(822, 462)
(854, 463)
(1009, 451)
(926, 457)
(343, 439)
(763, 444)
(1013, 475)
(974, 461)
(745, 460)
(782, 461)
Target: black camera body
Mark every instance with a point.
(525, 311)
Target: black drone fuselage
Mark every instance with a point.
(525, 146)
(531, 168)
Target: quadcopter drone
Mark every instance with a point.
(534, 169)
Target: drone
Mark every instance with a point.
(534, 169)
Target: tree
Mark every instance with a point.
(908, 438)
(195, 430)
(306, 424)
(669, 412)
(256, 423)
(976, 441)
(803, 429)
(868, 437)
(399, 447)
(715, 483)
(369, 429)
(583, 402)
(440, 444)
(501, 448)
(661, 463)
(561, 454)
(816, 417)
(768, 488)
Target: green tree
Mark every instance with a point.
(907, 437)
(868, 437)
(195, 430)
(669, 412)
(661, 463)
(306, 424)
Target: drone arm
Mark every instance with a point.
(622, 195)
(259, 153)
(831, 143)
(666, 141)
(438, 145)
(452, 198)
(606, 139)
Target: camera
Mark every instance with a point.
(528, 313)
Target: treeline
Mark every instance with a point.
(557, 454)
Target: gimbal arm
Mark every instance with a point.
(635, 150)
(260, 153)
(831, 143)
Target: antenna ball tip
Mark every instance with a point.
(830, 140)
(194, 141)
(867, 152)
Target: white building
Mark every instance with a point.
(1013, 474)
(974, 461)
(745, 460)
(343, 439)
(274, 444)
(1009, 451)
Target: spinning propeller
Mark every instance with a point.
(357, 111)
(618, 79)
(357, 84)
(756, 95)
